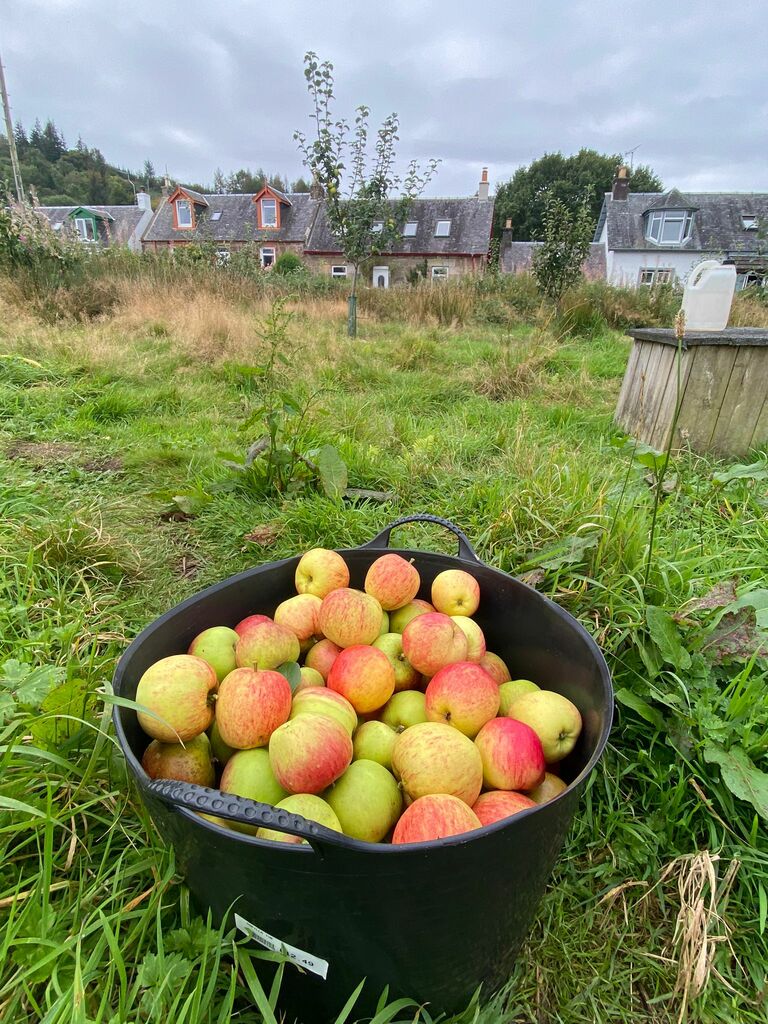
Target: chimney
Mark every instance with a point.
(621, 183)
(316, 189)
(508, 224)
(143, 201)
(166, 190)
(482, 190)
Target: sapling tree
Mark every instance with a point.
(366, 202)
(567, 234)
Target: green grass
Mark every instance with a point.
(509, 435)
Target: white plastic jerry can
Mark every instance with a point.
(708, 296)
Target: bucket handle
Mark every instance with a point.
(466, 551)
(247, 812)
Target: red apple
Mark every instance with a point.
(251, 705)
(321, 657)
(188, 762)
(511, 754)
(400, 618)
(392, 581)
(462, 695)
(510, 691)
(455, 592)
(250, 620)
(495, 667)
(434, 758)
(320, 571)
(432, 641)
(309, 677)
(364, 675)
(546, 790)
(474, 635)
(435, 816)
(178, 691)
(350, 617)
(266, 645)
(404, 709)
(299, 614)
(313, 808)
(320, 700)
(500, 803)
(406, 676)
(555, 720)
(216, 646)
(310, 752)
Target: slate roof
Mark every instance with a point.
(117, 231)
(515, 258)
(196, 197)
(716, 224)
(237, 222)
(470, 234)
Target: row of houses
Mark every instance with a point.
(640, 239)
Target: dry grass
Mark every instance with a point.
(748, 311)
(516, 367)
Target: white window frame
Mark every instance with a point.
(267, 251)
(648, 277)
(339, 270)
(216, 215)
(658, 220)
(272, 223)
(85, 222)
(223, 257)
(439, 273)
(410, 228)
(749, 221)
(446, 229)
(377, 227)
(187, 205)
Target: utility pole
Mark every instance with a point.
(11, 139)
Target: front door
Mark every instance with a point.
(380, 277)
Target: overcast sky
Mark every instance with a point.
(204, 83)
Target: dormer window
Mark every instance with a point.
(442, 229)
(86, 229)
(268, 213)
(183, 213)
(669, 227)
(409, 231)
(749, 221)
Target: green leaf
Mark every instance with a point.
(332, 470)
(755, 471)
(7, 707)
(61, 709)
(568, 551)
(29, 685)
(640, 707)
(740, 776)
(291, 671)
(665, 635)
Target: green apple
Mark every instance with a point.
(216, 646)
(309, 677)
(220, 750)
(366, 800)
(404, 709)
(555, 720)
(399, 619)
(511, 690)
(384, 623)
(248, 773)
(406, 676)
(314, 808)
(374, 741)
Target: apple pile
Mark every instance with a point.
(399, 725)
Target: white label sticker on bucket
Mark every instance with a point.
(299, 956)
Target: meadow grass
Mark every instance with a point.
(657, 909)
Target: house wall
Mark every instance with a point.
(399, 266)
(177, 243)
(623, 268)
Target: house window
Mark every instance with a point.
(377, 227)
(183, 213)
(267, 256)
(338, 271)
(410, 228)
(269, 213)
(442, 229)
(656, 275)
(439, 273)
(86, 229)
(669, 227)
(749, 222)
(216, 215)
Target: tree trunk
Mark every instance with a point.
(352, 308)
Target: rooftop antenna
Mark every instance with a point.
(11, 139)
(631, 154)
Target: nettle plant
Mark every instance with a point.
(366, 202)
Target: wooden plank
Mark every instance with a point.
(636, 390)
(707, 385)
(760, 433)
(626, 384)
(742, 403)
(663, 425)
(656, 380)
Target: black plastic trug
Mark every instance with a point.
(432, 921)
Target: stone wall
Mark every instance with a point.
(400, 266)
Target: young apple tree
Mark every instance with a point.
(366, 202)
(567, 234)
